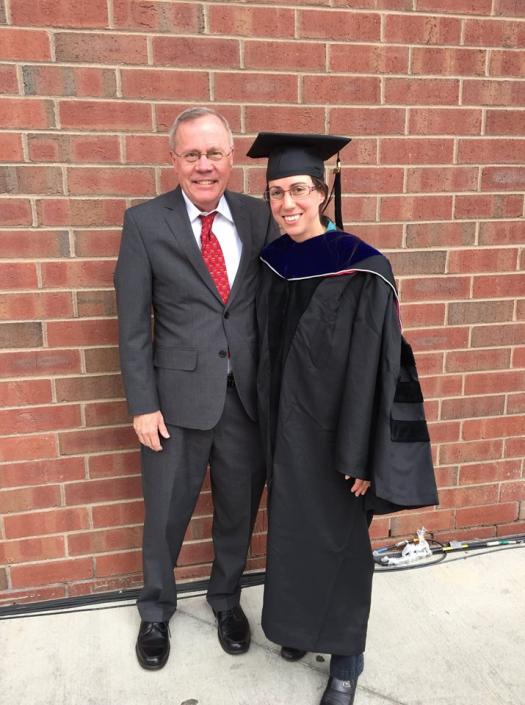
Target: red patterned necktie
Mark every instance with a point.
(213, 257)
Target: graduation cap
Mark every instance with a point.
(290, 153)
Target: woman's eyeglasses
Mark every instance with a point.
(214, 155)
(297, 191)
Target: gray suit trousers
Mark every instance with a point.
(172, 479)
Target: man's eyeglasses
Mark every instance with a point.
(297, 191)
(214, 155)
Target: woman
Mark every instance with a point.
(340, 411)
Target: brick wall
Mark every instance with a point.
(432, 92)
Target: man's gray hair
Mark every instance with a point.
(193, 114)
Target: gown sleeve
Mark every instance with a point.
(371, 374)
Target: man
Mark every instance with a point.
(190, 257)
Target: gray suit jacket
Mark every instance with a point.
(180, 366)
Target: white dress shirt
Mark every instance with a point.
(224, 230)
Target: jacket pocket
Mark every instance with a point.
(175, 358)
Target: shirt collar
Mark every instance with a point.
(222, 208)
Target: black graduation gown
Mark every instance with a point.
(338, 394)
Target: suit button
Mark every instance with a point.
(222, 353)
(226, 314)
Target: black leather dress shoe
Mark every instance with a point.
(339, 692)
(153, 645)
(233, 630)
(288, 653)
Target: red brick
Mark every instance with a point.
(446, 476)
(199, 552)
(421, 91)
(73, 212)
(344, 25)
(82, 333)
(118, 514)
(146, 149)
(467, 360)
(18, 275)
(417, 315)
(15, 211)
(439, 338)
(449, 179)
(472, 406)
(113, 464)
(196, 52)
(448, 121)
(504, 122)
(36, 306)
(507, 530)
(514, 447)
(479, 312)
(406, 29)
(96, 303)
(34, 243)
(8, 80)
(74, 148)
(448, 62)
(107, 414)
(507, 63)
(26, 113)
(21, 500)
(78, 274)
(104, 115)
(69, 81)
(365, 4)
(513, 491)
(284, 55)
(118, 563)
(489, 472)
(479, 532)
(359, 208)
(488, 92)
(379, 528)
(39, 362)
(89, 387)
(102, 541)
(491, 150)
(32, 595)
(501, 233)
(407, 263)
(102, 360)
(518, 357)
(21, 335)
(382, 236)
(516, 403)
(510, 8)
(431, 289)
(488, 260)
(509, 334)
(373, 180)
(166, 114)
(367, 121)
(493, 427)
(488, 206)
(416, 151)
(256, 87)
(112, 489)
(499, 285)
(41, 472)
(97, 440)
(41, 418)
(407, 524)
(362, 58)
(97, 243)
(148, 83)
(488, 32)
(496, 382)
(251, 21)
(51, 572)
(468, 496)
(90, 587)
(31, 179)
(430, 363)
(440, 234)
(503, 178)
(339, 90)
(114, 181)
(444, 432)
(10, 148)
(475, 7)
(172, 17)
(89, 47)
(491, 514)
(37, 549)
(28, 448)
(24, 44)
(440, 386)
(410, 208)
(19, 393)
(59, 13)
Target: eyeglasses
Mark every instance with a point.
(214, 155)
(297, 191)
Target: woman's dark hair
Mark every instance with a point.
(322, 187)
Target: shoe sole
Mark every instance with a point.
(236, 652)
(148, 667)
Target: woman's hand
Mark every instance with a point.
(359, 487)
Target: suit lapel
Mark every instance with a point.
(177, 219)
(243, 226)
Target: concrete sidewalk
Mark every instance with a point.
(451, 634)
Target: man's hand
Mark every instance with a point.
(359, 487)
(148, 426)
